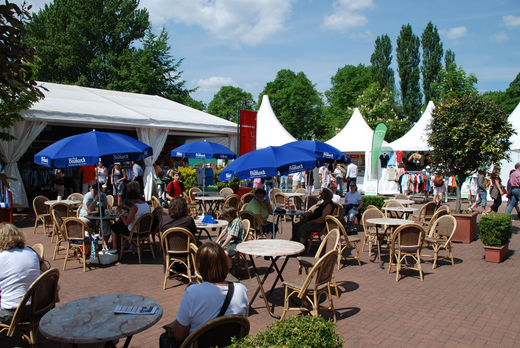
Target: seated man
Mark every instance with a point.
(314, 221)
(90, 205)
(261, 209)
(353, 203)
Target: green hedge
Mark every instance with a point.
(372, 200)
(495, 229)
(295, 331)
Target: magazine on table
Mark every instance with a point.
(121, 309)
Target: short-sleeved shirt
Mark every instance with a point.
(137, 170)
(19, 269)
(255, 207)
(325, 176)
(88, 199)
(175, 189)
(88, 173)
(236, 229)
(352, 171)
(353, 197)
(202, 303)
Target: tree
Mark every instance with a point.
(18, 89)
(377, 105)
(82, 42)
(228, 100)
(297, 104)
(454, 82)
(348, 84)
(381, 60)
(467, 132)
(408, 67)
(512, 95)
(449, 58)
(432, 60)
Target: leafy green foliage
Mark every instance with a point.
(467, 132)
(408, 60)
(188, 177)
(509, 99)
(295, 331)
(381, 60)
(297, 104)
(454, 82)
(228, 100)
(432, 60)
(18, 90)
(496, 229)
(377, 201)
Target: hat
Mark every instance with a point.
(117, 163)
(428, 167)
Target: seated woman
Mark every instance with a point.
(20, 266)
(203, 302)
(313, 221)
(125, 223)
(178, 216)
(235, 231)
(261, 209)
(353, 203)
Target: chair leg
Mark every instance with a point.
(138, 247)
(121, 245)
(36, 225)
(167, 271)
(448, 247)
(84, 258)
(66, 254)
(335, 285)
(398, 266)
(285, 303)
(357, 254)
(435, 256)
(419, 265)
(339, 255)
(331, 303)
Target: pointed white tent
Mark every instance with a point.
(416, 138)
(269, 131)
(355, 137)
(514, 154)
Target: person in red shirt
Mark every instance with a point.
(88, 174)
(175, 188)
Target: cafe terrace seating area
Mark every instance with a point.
(438, 293)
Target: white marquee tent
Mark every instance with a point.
(416, 138)
(153, 118)
(269, 131)
(514, 154)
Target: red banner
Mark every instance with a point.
(247, 131)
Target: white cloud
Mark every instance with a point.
(245, 21)
(213, 83)
(500, 36)
(454, 33)
(347, 14)
(511, 21)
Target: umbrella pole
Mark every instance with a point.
(203, 186)
(101, 215)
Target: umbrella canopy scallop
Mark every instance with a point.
(203, 150)
(323, 152)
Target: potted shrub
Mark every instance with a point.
(466, 230)
(495, 232)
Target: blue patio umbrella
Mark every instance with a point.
(323, 152)
(89, 148)
(203, 150)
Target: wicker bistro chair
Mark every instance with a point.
(438, 214)
(254, 228)
(156, 223)
(425, 214)
(301, 190)
(39, 249)
(57, 221)
(110, 201)
(139, 236)
(195, 208)
(226, 191)
(232, 200)
(41, 213)
(310, 287)
(155, 202)
(345, 241)
(330, 242)
(246, 198)
(61, 210)
(312, 200)
(175, 244)
(241, 260)
(74, 235)
(440, 237)
(401, 196)
(392, 203)
(42, 294)
(76, 196)
(218, 332)
(195, 277)
(407, 241)
(370, 229)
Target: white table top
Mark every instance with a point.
(219, 224)
(210, 198)
(66, 201)
(291, 212)
(270, 247)
(294, 194)
(402, 201)
(92, 319)
(389, 221)
(400, 209)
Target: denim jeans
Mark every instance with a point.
(515, 198)
(283, 183)
(339, 182)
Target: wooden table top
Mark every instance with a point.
(66, 201)
(389, 221)
(270, 247)
(400, 209)
(402, 201)
(92, 319)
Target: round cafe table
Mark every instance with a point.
(212, 202)
(390, 224)
(206, 227)
(401, 212)
(273, 249)
(92, 320)
(405, 202)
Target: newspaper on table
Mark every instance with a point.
(121, 309)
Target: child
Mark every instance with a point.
(235, 232)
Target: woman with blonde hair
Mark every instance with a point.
(204, 302)
(19, 268)
(496, 190)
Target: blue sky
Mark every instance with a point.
(244, 43)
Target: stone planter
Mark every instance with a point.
(466, 230)
(495, 254)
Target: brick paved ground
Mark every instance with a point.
(471, 304)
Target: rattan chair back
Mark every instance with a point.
(110, 201)
(444, 227)
(40, 250)
(232, 200)
(226, 191)
(298, 202)
(409, 236)
(76, 196)
(176, 240)
(370, 214)
(39, 205)
(246, 198)
(74, 229)
(301, 190)
(322, 272)
(330, 242)
(336, 210)
(192, 193)
(401, 196)
(392, 203)
(218, 332)
(438, 214)
(280, 200)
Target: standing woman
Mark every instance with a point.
(117, 178)
(496, 190)
(101, 175)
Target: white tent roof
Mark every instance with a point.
(514, 119)
(70, 104)
(416, 138)
(269, 131)
(356, 136)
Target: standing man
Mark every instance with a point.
(296, 181)
(339, 174)
(482, 191)
(88, 174)
(515, 189)
(325, 176)
(351, 174)
(138, 172)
